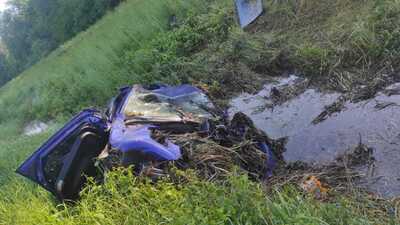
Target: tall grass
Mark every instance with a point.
(338, 43)
(346, 41)
(126, 199)
(83, 72)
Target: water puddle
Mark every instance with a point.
(375, 121)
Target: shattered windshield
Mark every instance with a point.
(167, 104)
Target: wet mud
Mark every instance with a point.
(323, 127)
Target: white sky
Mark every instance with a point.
(3, 4)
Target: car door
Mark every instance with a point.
(62, 164)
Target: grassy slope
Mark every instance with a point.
(339, 43)
(83, 71)
(125, 48)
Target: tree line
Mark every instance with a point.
(31, 29)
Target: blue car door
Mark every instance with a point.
(62, 164)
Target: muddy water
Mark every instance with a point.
(376, 121)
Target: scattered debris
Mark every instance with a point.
(360, 155)
(151, 129)
(391, 91)
(284, 93)
(369, 90)
(318, 180)
(214, 155)
(384, 105)
(322, 125)
(158, 127)
(362, 93)
(329, 110)
(313, 186)
(237, 144)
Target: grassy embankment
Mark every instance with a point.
(335, 43)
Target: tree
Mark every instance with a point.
(31, 29)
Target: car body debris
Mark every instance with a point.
(312, 185)
(151, 128)
(248, 11)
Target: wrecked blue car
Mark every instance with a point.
(63, 164)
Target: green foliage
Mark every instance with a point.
(161, 60)
(86, 71)
(311, 60)
(126, 199)
(31, 29)
(385, 22)
(325, 38)
(205, 49)
(4, 68)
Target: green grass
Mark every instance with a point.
(339, 43)
(185, 199)
(328, 41)
(83, 72)
(125, 199)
